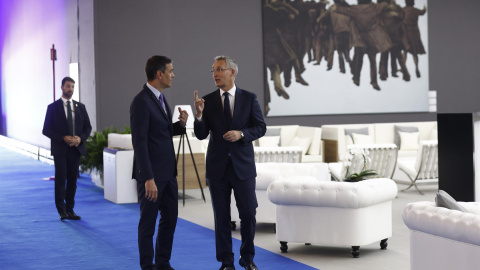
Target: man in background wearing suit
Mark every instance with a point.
(68, 127)
(155, 167)
(233, 119)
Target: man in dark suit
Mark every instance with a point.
(155, 167)
(233, 119)
(68, 127)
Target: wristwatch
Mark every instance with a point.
(241, 134)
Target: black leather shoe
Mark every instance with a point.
(247, 265)
(63, 215)
(73, 216)
(165, 267)
(224, 267)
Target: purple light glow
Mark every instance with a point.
(5, 7)
(27, 31)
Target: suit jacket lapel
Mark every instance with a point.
(155, 99)
(238, 105)
(77, 114)
(61, 111)
(162, 111)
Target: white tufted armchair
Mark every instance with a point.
(333, 213)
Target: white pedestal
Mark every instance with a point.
(119, 187)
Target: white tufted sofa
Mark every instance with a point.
(333, 213)
(441, 238)
(270, 172)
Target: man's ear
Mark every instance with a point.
(234, 72)
(159, 74)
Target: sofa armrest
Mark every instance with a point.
(439, 221)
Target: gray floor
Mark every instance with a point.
(396, 257)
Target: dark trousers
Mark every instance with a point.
(358, 62)
(244, 192)
(66, 170)
(167, 204)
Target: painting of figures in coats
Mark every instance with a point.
(345, 56)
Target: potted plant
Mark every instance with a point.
(364, 173)
(92, 162)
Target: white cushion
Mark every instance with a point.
(408, 140)
(362, 139)
(336, 170)
(315, 133)
(269, 141)
(304, 143)
(288, 133)
(408, 166)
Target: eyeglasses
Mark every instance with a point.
(218, 70)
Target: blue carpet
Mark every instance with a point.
(33, 237)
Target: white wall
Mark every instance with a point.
(27, 77)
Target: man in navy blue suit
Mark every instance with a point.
(233, 119)
(68, 127)
(155, 167)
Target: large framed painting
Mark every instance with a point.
(345, 56)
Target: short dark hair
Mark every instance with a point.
(409, 3)
(154, 64)
(67, 79)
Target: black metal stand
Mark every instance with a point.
(182, 141)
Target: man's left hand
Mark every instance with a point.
(232, 135)
(183, 117)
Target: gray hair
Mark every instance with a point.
(231, 63)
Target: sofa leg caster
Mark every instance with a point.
(233, 225)
(355, 252)
(283, 247)
(384, 243)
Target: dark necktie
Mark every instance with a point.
(161, 102)
(227, 112)
(69, 119)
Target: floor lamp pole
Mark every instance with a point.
(53, 57)
(182, 141)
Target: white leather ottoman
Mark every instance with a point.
(333, 213)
